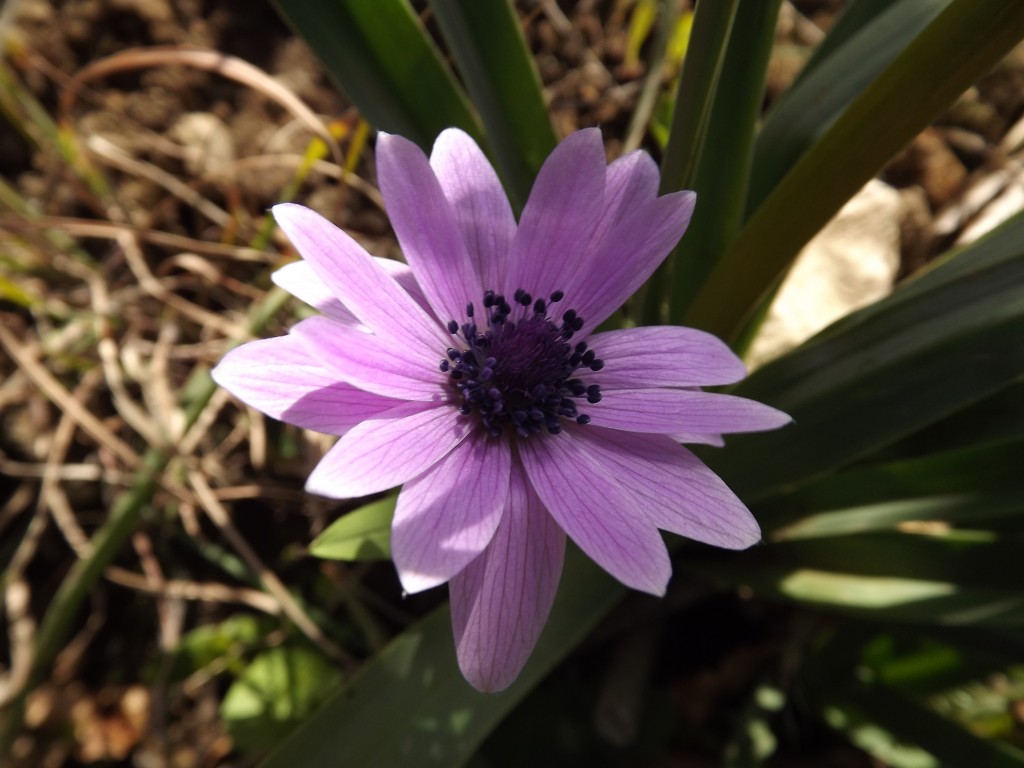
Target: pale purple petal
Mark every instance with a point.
(299, 279)
(481, 208)
(366, 361)
(667, 411)
(663, 356)
(698, 438)
(501, 601)
(359, 282)
(629, 254)
(302, 282)
(404, 276)
(388, 450)
(445, 517)
(280, 378)
(631, 181)
(559, 218)
(595, 509)
(671, 486)
(426, 227)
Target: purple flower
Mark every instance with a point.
(474, 378)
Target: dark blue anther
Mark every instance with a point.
(516, 369)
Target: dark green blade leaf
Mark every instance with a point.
(811, 106)
(978, 559)
(702, 68)
(912, 723)
(486, 40)
(897, 599)
(379, 54)
(853, 17)
(989, 468)
(963, 43)
(891, 370)
(724, 165)
(969, 511)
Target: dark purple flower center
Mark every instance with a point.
(519, 371)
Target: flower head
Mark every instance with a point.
(473, 377)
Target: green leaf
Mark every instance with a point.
(812, 105)
(951, 474)
(410, 705)
(959, 46)
(981, 559)
(209, 642)
(723, 168)
(363, 534)
(378, 52)
(276, 692)
(973, 511)
(486, 40)
(853, 16)
(886, 372)
(702, 67)
(879, 718)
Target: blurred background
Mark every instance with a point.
(141, 143)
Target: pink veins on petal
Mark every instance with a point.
(472, 377)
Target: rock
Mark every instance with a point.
(852, 262)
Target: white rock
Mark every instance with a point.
(852, 262)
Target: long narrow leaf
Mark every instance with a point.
(702, 67)
(380, 55)
(890, 371)
(853, 17)
(724, 165)
(963, 42)
(807, 110)
(486, 40)
(915, 724)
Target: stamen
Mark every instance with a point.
(518, 370)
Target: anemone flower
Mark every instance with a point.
(473, 377)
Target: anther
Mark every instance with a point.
(516, 370)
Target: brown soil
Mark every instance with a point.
(173, 150)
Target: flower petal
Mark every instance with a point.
(360, 283)
(698, 438)
(592, 503)
(481, 208)
(630, 182)
(445, 517)
(671, 486)
(280, 378)
(426, 227)
(667, 411)
(404, 276)
(559, 218)
(630, 253)
(385, 451)
(302, 282)
(366, 361)
(663, 356)
(501, 601)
